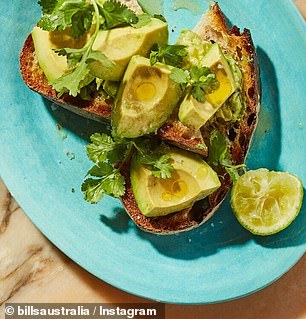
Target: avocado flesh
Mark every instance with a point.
(192, 180)
(146, 98)
(195, 114)
(120, 44)
(216, 61)
(46, 42)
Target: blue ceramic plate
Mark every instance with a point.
(216, 262)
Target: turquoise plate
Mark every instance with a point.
(216, 262)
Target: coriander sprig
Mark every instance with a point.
(219, 155)
(111, 155)
(168, 54)
(199, 81)
(79, 16)
(61, 14)
(78, 59)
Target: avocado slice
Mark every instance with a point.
(46, 42)
(195, 114)
(119, 45)
(192, 180)
(216, 61)
(147, 96)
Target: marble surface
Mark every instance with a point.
(33, 270)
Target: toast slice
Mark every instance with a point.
(99, 109)
(213, 27)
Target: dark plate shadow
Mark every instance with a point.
(266, 148)
(74, 123)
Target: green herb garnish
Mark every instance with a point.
(110, 156)
(199, 81)
(168, 54)
(79, 16)
(61, 14)
(116, 14)
(219, 155)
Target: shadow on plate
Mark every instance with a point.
(74, 123)
(120, 222)
(266, 147)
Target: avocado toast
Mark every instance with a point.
(234, 130)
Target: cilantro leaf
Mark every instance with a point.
(104, 151)
(219, 155)
(100, 170)
(93, 190)
(81, 22)
(198, 93)
(106, 178)
(162, 167)
(217, 149)
(109, 179)
(168, 54)
(179, 76)
(116, 14)
(72, 82)
(102, 58)
(47, 6)
(74, 56)
(80, 76)
(114, 184)
(111, 88)
(199, 80)
(203, 81)
(61, 14)
(160, 163)
(101, 146)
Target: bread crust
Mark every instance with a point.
(212, 27)
(33, 76)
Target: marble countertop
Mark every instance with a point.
(33, 270)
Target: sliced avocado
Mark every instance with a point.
(45, 42)
(120, 44)
(147, 96)
(195, 46)
(192, 180)
(216, 61)
(195, 114)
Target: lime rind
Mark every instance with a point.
(266, 202)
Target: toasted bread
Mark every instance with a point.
(212, 27)
(99, 109)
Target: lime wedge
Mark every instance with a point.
(266, 202)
